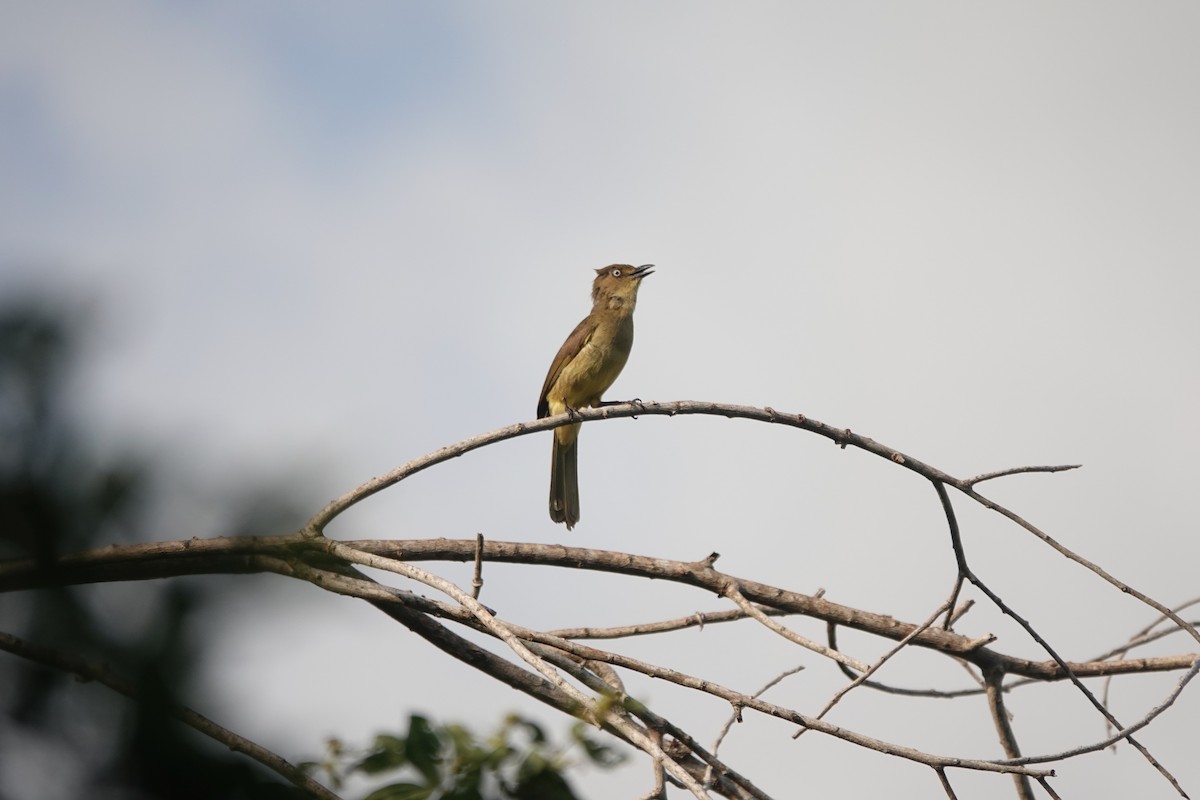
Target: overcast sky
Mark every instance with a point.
(323, 239)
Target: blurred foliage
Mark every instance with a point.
(56, 497)
(448, 762)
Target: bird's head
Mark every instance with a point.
(616, 285)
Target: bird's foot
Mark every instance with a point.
(636, 402)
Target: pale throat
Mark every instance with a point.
(618, 303)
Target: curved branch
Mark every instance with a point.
(842, 437)
(240, 555)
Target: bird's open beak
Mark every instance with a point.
(643, 271)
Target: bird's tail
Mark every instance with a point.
(564, 482)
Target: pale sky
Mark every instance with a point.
(325, 239)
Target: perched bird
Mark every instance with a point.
(586, 365)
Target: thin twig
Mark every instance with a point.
(1142, 637)
(1000, 473)
(1045, 782)
(477, 580)
(858, 681)
(695, 620)
(951, 611)
(941, 773)
(659, 792)
(1140, 640)
(1008, 737)
(735, 716)
(1121, 734)
(1029, 629)
(1078, 559)
(734, 593)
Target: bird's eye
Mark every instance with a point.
(616, 273)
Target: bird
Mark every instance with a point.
(586, 365)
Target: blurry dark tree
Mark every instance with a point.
(57, 496)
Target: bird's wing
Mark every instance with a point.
(570, 348)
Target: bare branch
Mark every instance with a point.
(941, 773)
(696, 620)
(1078, 559)
(736, 715)
(841, 436)
(234, 555)
(733, 593)
(477, 580)
(862, 678)
(1046, 785)
(1008, 737)
(1001, 473)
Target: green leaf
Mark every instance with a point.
(467, 773)
(402, 791)
(463, 739)
(424, 748)
(389, 753)
(599, 753)
(495, 759)
(536, 734)
(534, 764)
(464, 793)
(543, 783)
